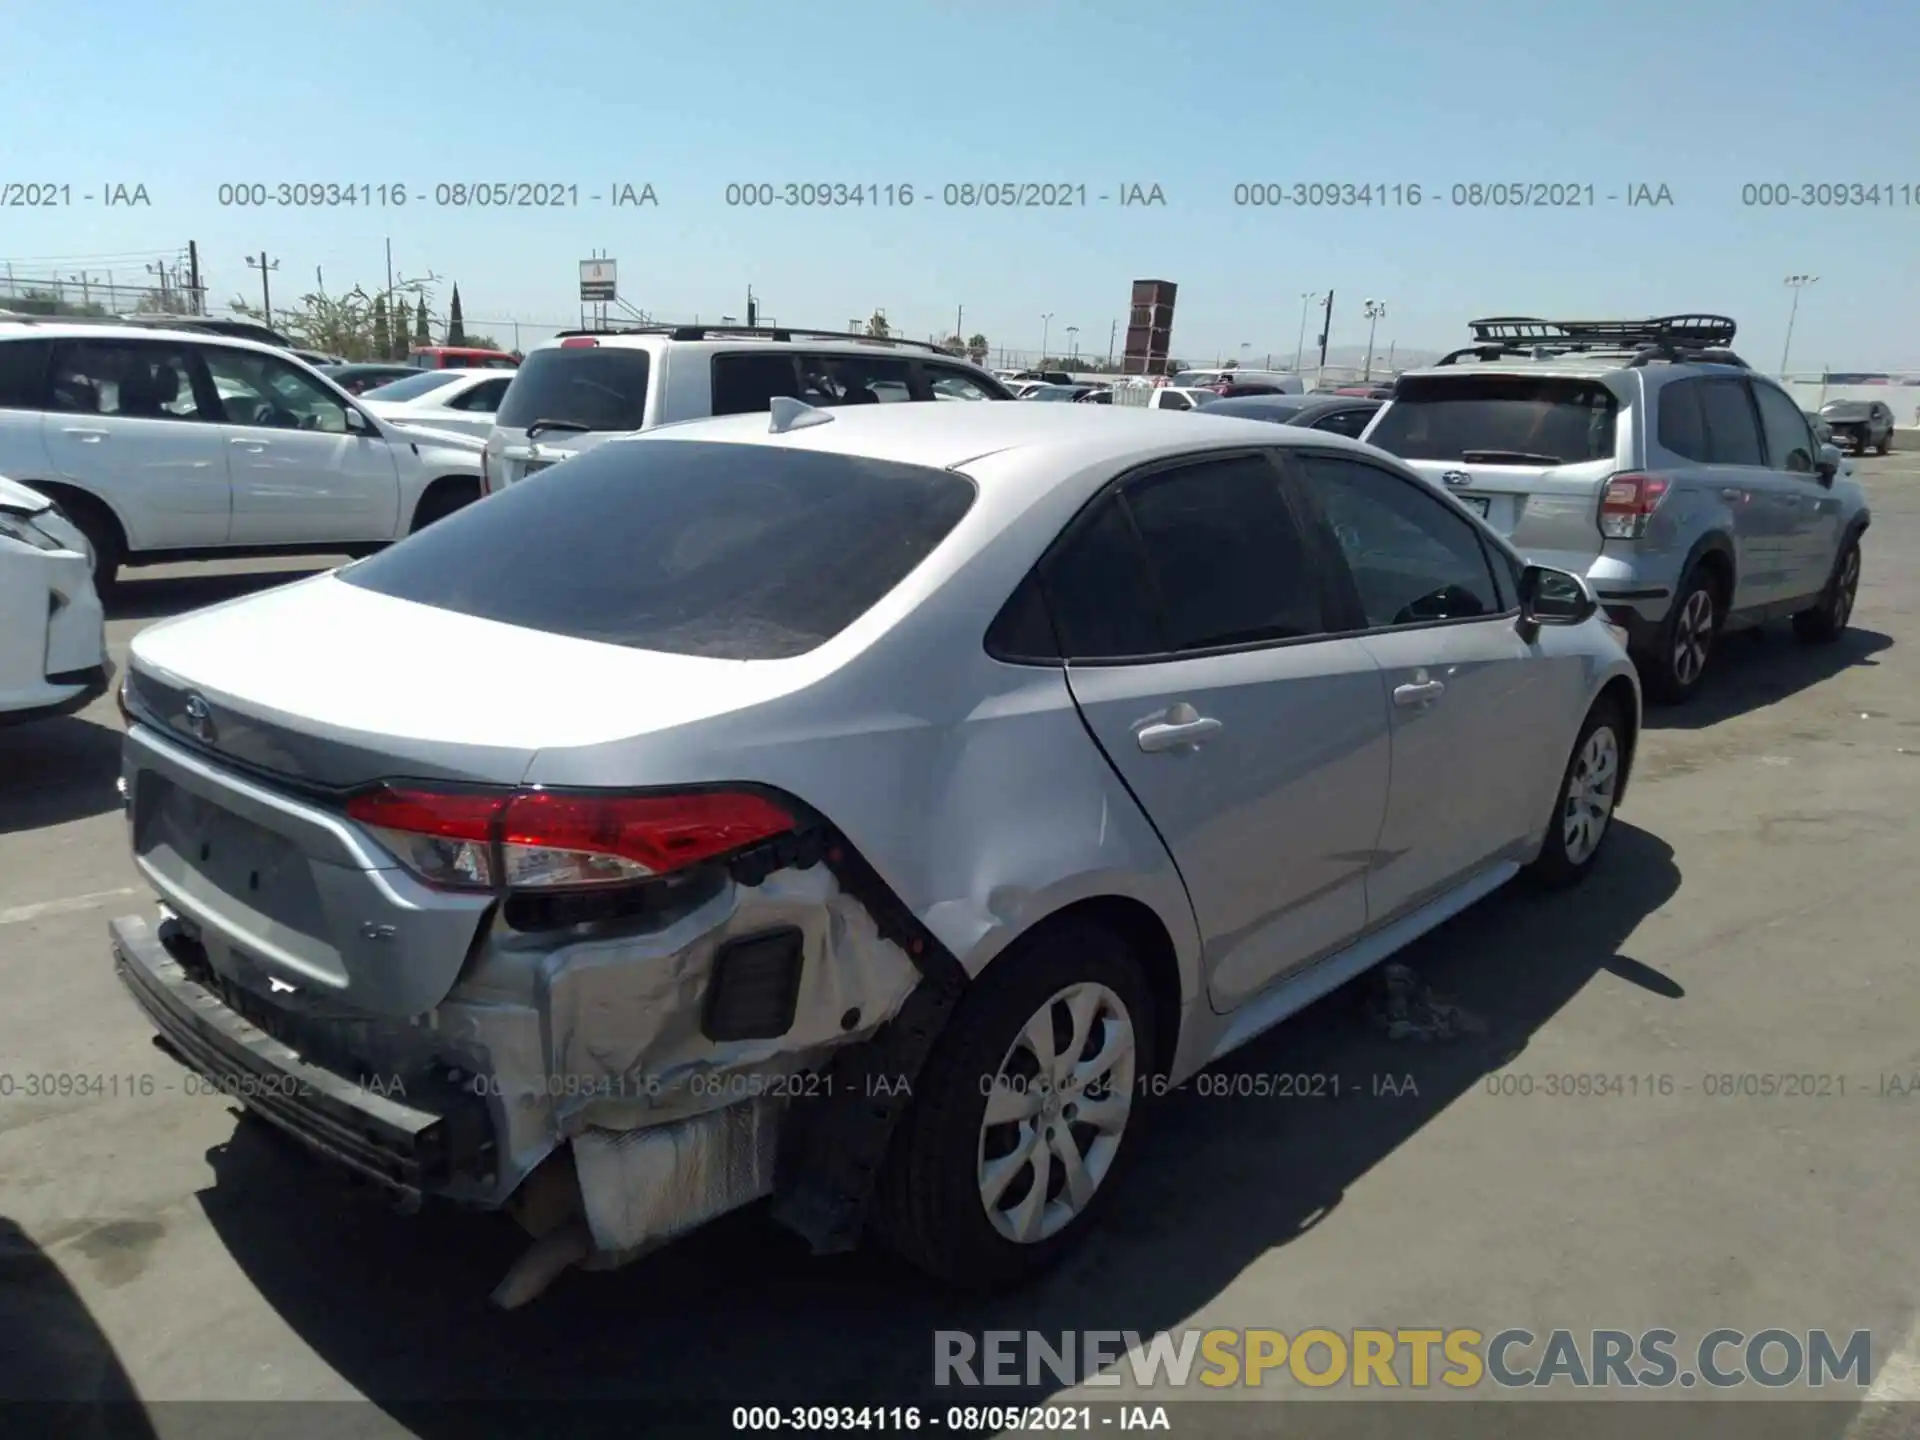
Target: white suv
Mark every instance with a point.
(586, 386)
(171, 445)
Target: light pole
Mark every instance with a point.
(1374, 310)
(1046, 322)
(1795, 283)
(1300, 345)
(263, 265)
(1245, 345)
(1073, 342)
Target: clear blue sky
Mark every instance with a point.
(1701, 96)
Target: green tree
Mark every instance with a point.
(877, 326)
(954, 345)
(977, 348)
(421, 334)
(340, 324)
(382, 339)
(456, 324)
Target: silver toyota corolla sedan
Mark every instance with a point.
(864, 808)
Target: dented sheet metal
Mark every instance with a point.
(604, 1032)
(638, 1187)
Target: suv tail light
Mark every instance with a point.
(1628, 503)
(550, 840)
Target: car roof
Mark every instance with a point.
(774, 338)
(1066, 438)
(60, 330)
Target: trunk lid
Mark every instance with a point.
(256, 717)
(1535, 508)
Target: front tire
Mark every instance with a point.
(1671, 673)
(1025, 1112)
(1583, 811)
(1827, 621)
(1886, 445)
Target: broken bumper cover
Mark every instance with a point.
(404, 1147)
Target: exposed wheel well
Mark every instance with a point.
(74, 500)
(443, 496)
(1147, 938)
(1620, 691)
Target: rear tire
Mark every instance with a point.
(1885, 446)
(983, 1205)
(1671, 672)
(1827, 621)
(1583, 808)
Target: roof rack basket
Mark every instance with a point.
(1699, 338)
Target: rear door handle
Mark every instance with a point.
(256, 446)
(1730, 493)
(1174, 734)
(85, 436)
(1418, 694)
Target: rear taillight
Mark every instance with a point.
(561, 840)
(1628, 503)
(578, 342)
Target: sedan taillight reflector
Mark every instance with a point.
(548, 839)
(1628, 502)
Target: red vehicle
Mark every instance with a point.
(460, 357)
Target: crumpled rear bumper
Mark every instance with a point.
(410, 1146)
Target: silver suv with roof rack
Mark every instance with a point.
(586, 386)
(1692, 493)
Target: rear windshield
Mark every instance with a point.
(596, 387)
(735, 552)
(1559, 418)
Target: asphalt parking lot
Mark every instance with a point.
(1752, 918)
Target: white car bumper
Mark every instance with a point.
(53, 635)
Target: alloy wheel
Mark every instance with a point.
(1057, 1113)
(1693, 637)
(1590, 791)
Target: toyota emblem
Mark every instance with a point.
(199, 719)
(1456, 477)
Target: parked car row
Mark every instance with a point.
(1030, 756)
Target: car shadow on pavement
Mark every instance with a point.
(57, 770)
(740, 1313)
(162, 597)
(1752, 669)
(59, 1375)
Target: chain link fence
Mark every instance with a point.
(98, 294)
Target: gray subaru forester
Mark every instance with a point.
(1645, 455)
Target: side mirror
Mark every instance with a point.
(1554, 597)
(1828, 465)
(359, 424)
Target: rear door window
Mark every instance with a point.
(1228, 562)
(1732, 428)
(1345, 422)
(746, 384)
(854, 380)
(597, 387)
(944, 382)
(1563, 419)
(484, 398)
(692, 548)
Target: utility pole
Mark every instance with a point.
(263, 265)
(389, 272)
(753, 309)
(1046, 322)
(959, 324)
(1326, 330)
(1300, 345)
(1373, 310)
(1795, 283)
(1112, 330)
(193, 277)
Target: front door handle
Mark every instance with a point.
(83, 435)
(1183, 726)
(256, 446)
(1419, 693)
(1731, 493)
